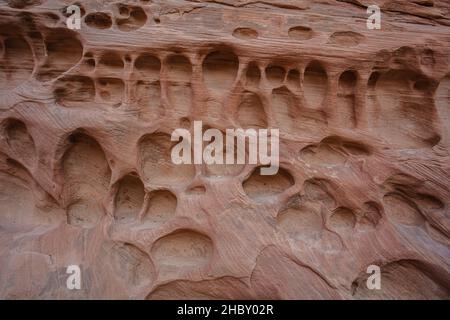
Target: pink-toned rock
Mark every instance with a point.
(86, 176)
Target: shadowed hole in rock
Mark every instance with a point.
(402, 210)
(86, 180)
(98, 20)
(253, 75)
(89, 64)
(17, 64)
(300, 33)
(220, 70)
(19, 140)
(179, 91)
(251, 112)
(405, 280)
(162, 205)
(258, 187)
(129, 199)
(148, 98)
(148, 65)
(156, 162)
(342, 220)
(111, 60)
(63, 51)
(346, 98)
(178, 68)
(374, 76)
(182, 251)
(111, 90)
(402, 57)
(74, 91)
(293, 79)
(275, 75)
(245, 33)
(135, 18)
(315, 85)
(422, 85)
(346, 38)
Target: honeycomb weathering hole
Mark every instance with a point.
(179, 91)
(111, 60)
(346, 99)
(288, 115)
(74, 91)
(20, 140)
(259, 186)
(87, 176)
(63, 51)
(129, 199)
(149, 65)
(253, 75)
(111, 90)
(183, 250)
(98, 20)
(251, 112)
(315, 84)
(148, 97)
(130, 18)
(300, 33)
(179, 68)
(346, 38)
(156, 162)
(245, 33)
(342, 219)
(275, 75)
(220, 70)
(17, 64)
(162, 205)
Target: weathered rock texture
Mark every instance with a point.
(86, 176)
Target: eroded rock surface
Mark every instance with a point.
(86, 176)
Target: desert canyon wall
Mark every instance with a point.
(86, 176)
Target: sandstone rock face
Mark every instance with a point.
(87, 179)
